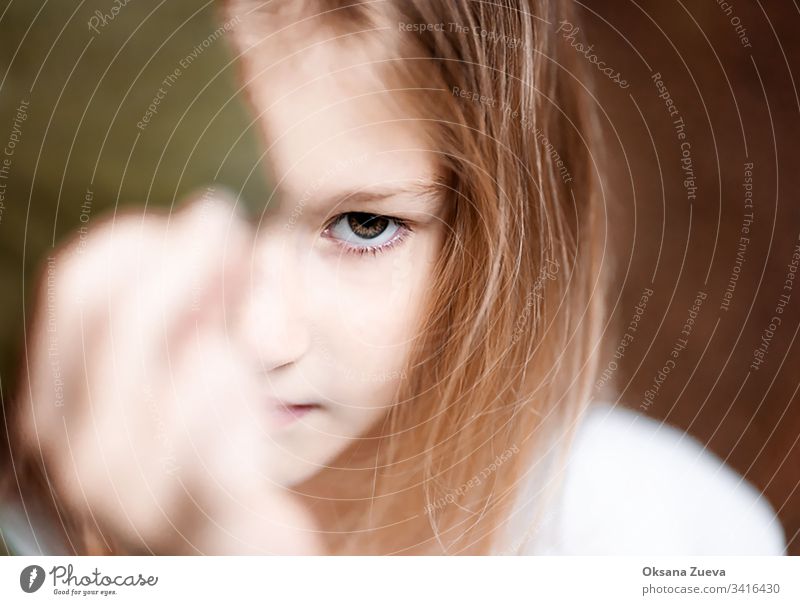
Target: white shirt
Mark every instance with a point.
(634, 486)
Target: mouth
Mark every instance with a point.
(285, 413)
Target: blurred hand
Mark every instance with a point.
(140, 397)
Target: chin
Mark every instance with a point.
(293, 475)
(292, 467)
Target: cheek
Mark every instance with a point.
(373, 305)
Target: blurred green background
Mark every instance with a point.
(86, 91)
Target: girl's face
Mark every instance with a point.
(344, 254)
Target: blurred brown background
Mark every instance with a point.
(739, 104)
(87, 90)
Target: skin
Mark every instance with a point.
(181, 336)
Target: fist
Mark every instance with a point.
(140, 397)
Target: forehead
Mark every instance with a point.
(328, 111)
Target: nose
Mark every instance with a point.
(275, 327)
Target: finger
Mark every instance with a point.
(149, 328)
(117, 271)
(72, 300)
(147, 283)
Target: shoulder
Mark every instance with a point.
(636, 486)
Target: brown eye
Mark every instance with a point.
(366, 232)
(367, 226)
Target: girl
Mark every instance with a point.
(395, 355)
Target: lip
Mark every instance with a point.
(285, 413)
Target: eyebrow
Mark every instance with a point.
(361, 196)
(428, 192)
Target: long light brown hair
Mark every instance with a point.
(507, 345)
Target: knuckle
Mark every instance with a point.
(85, 267)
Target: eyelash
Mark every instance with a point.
(403, 232)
